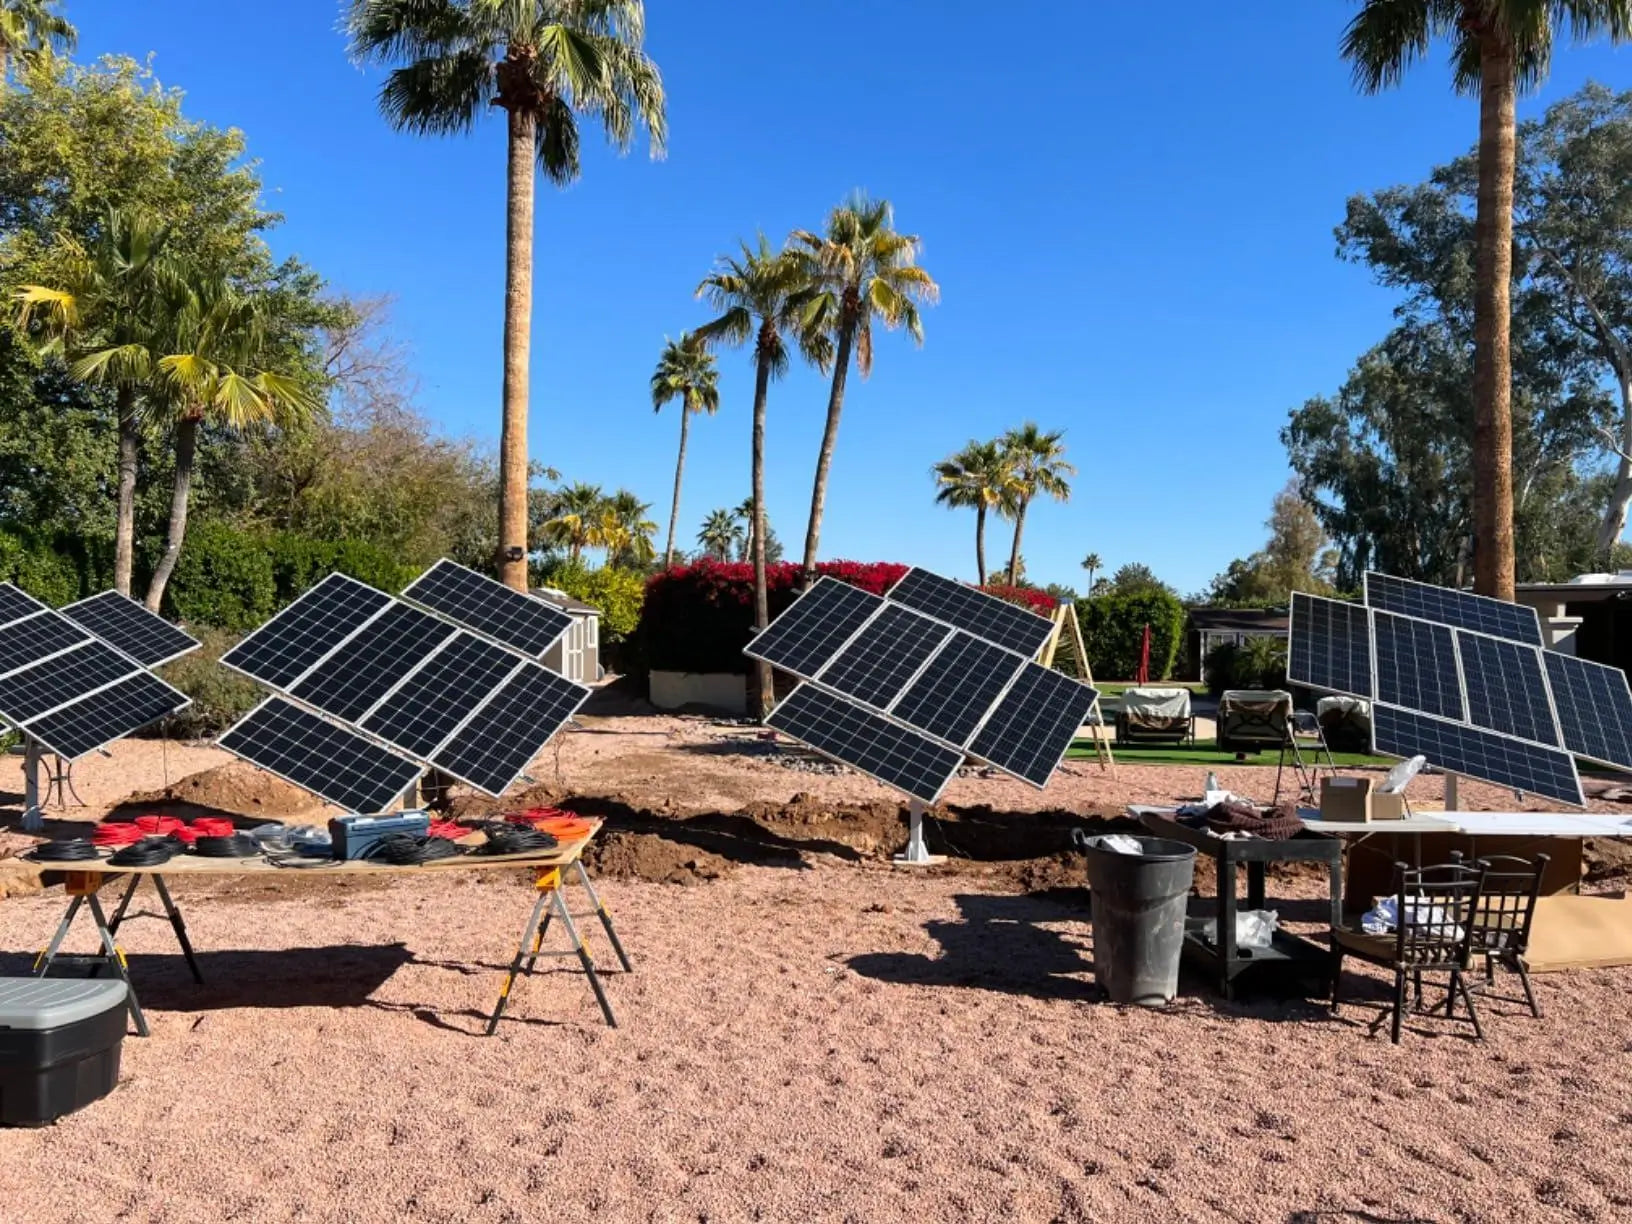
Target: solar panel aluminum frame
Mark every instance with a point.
(1546, 688)
(170, 658)
(472, 629)
(1581, 800)
(11, 588)
(23, 727)
(66, 650)
(476, 713)
(883, 602)
(1547, 680)
(1371, 648)
(1365, 595)
(867, 773)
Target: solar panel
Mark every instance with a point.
(287, 645)
(1030, 729)
(1496, 617)
(16, 603)
(501, 739)
(985, 616)
(1329, 645)
(1416, 665)
(56, 681)
(489, 607)
(855, 736)
(363, 671)
(107, 715)
(1502, 680)
(805, 637)
(445, 691)
(144, 636)
(953, 693)
(1594, 708)
(884, 656)
(27, 641)
(1477, 753)
(332, 762)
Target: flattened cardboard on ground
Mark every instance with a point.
(1591, 932)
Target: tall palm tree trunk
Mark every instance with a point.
(824, 458)
(1019, 530)
(1492, 316)
(518, 335)
(980, 543)
(763, 696)
(679, 472)
(180, 491)
(124, 527)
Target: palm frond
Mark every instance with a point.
(439, 95)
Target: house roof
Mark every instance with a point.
(1239, 620)
(565, 602)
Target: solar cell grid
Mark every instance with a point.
(957, 688)
(489, 607)
(56, 681)
(501, 739)
(1477, 753)
(1030, 729)
(1594, 708)
(1496, 617)
(336, 764)
(855, 736)
(1329, 645)
(145, 637)
(805, 637)
(1502, 680)
(982, 615)
(441, 694)
(27, 641)
(884, 656)
(106, 716)
(287, 645)
(364, 670)
(16, 603)
(1416, 665)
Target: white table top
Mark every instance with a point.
(1469, 824)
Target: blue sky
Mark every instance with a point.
(1130, 219)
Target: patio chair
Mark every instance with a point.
(1501, 922)
(1250, 720)
(1433, 933)
(1155, 716)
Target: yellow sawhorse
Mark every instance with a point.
(81, 887)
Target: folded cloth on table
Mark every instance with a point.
(1277, 824)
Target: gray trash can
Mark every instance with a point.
(1139, 905)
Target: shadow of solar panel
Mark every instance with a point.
(489, 607)
(333, 763)
(25, 642)
(1416, 665)
(1329, 645)
(63, 678)
(957, 688)
(984, 616)
(501, 740)
(103, 717)
(815, 626)
(855, 736)
(1502, 680)
(1594, 708)
(121, 621)
(445, 691)
(1476, 753)
(1461, 609)
(16, 603)
(887, 653)
(281, 650)
(383, 652)
(1029, 731)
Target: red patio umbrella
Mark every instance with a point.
(1144, 657)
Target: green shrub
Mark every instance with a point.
(1113, 626)
(618, 594)
(224, 577)
(44, 571)
(1258, 663)
(220, 697)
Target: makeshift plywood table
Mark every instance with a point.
(552, 869)
(1222, 957)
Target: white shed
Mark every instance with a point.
(577, 656)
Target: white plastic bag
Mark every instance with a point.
(1253, 928)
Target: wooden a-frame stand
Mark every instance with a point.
(1066, 615)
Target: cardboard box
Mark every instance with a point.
(1358, 800)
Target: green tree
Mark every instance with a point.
(721, 534)
(575, 519)
(1038, 461)
(1136, 577)
(745, 549)
(1093, 565)
(761, 296)
(625, 531)
(545, 63)
(29, 27)
(978, 477)
(686, 372)
(1298, 557)
(860, 270)
(1498, 48)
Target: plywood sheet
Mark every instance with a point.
(1581, 933)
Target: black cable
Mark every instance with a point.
(406, 850)
(149, 852)
(506, 838)
(297, 859)
(67, 850)
(238, 845)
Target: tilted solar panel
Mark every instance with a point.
(884, 656)
(61, 679)
(985, 616)
(25, 642)
(1029, 730)
(364, 670)
(144, 636)
(1476, 753)
(952, 695)
(1416, 665)
(486, 605)
(1504, 688)
(102, 717)
(16, 603)
(336, 764)
(444, 692)
(1461, 609)
(855, 736)
(283, 649)
(805, 637)
(1329, 645)
(1594, 708)
(511, 728)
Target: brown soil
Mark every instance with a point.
(235, 789)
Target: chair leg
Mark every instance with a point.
(1399, 1004)
(1467, 997)
(1416, 989)
(1337, 977)
(1490, 969)
(1529, 994)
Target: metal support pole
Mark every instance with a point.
(33, 817)
(1452, 802)
(917, 853)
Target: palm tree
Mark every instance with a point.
(574, 521)
(106, 315)
(215, 374)
(28, 27)
(544, 63)
(1093, 565)
(720, 535)
(760, 296)
(625, 531)
(1038, 462)
(977, 476)
(685, 372)
(1498, 47)
(861, 270)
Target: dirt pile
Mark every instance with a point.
(234, 789)
(635, 856)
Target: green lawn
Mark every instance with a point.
(1205, 753)
(1117, 688)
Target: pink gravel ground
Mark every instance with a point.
(829, 1042)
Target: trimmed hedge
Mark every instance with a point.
(1113, 625)
(43, 569)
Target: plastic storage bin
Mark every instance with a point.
(59, 1046)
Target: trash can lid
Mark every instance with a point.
(48, 1003)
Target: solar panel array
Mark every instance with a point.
(362, 668)
(1465, 681)
(65, 687)
(120, 620)
(903, 686)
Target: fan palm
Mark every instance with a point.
(1038, 462)
(574, 520)
(1498, 47)
(721, 534)
(981, 477)
(685, 372)
(28, 27)
(545, 63)
(760, 295)
(860, 270)
(625, 532)
(106, 315)
(1093, 565)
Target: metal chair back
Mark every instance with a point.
(1435, 919)
(1507, 903)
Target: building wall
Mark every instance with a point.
(577, 656)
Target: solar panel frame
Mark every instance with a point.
(816, 627)
(1347, 626)
(277, 718)
(488, 608)
(367, 667)
(1415, 665)
(426, 709)
(1459, 609)
(16, 603)
(886, 751)
(106, 715)
(1499, 696)
(513, 704)
(941, 700)
(120, 621)
(339, 604)
(62, 679)
(885, 656)
(1043, 708)
(977, 613)
(1596, 689)
(1462, 749)
(32, 640)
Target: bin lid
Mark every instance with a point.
(48, 1003)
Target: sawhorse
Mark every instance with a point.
(552, 903)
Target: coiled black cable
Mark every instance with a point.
(239, 845)
(406, 850)
(67, 850)
(149, 852)
(506, 838)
